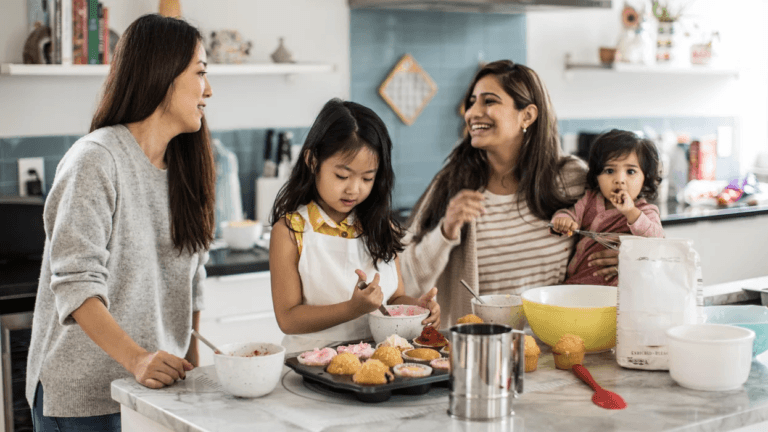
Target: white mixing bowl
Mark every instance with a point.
(405, 323)
(505, 309)
(711, 357)
(245, 375)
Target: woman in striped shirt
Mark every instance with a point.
(484, 217)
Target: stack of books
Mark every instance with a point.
(79, 30)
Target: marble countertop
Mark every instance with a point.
(553, 400)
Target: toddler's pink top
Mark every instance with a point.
(590, 213)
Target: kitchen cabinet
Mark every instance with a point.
(238, 308)
(729, 249)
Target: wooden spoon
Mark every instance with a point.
(602, 397)
(205, 341)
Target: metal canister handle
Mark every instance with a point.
(518, 364)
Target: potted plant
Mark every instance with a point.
(669, 47)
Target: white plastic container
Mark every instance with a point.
(710, 357)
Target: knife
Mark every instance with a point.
(384, 311)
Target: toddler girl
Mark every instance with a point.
(623, 172)
(333, 227)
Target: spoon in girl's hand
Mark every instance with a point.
(205, 341)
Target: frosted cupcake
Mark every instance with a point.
(363, 350)
(317, 357)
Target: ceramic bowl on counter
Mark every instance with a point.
(249, 369)
(404, 322)
(587, 311)
(241, 235)
(506, 309)
(710, 357)
(752, 317)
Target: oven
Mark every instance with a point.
(15, 333)
(22, 240)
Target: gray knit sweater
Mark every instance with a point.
(107, 225)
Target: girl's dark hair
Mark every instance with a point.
(345, 128)
(538, 164)
(618, 143)
(152, 52)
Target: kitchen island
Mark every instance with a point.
(553, 400)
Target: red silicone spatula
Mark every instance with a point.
(602, 397)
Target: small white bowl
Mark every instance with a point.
(710, 357)
(249, 377)
(241, 235)
(505, 309)
(405, 323)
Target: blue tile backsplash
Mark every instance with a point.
(448, 47)
(248, 144)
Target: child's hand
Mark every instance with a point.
(564, 225)
(622, 201)
(368, 298)
(428, 301)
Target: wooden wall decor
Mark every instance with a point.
(408, 89)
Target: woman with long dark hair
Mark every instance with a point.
(333, 229)
(128, 223)
(484, 217)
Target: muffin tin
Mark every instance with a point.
(368, 393)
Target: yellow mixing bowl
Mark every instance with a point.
(587, 311)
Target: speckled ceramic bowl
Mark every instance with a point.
(405, 322)
(244, 374)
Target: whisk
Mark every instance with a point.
(609, 240)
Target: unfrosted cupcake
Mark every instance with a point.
(532, 352)
(568, 351)
(469, 319)
(390, 356)
(344, 363)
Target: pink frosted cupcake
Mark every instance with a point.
(317, 357)
(363, 350)
(441, 363)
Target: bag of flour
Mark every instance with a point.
(659, 287)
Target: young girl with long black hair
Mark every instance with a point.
(333, 228)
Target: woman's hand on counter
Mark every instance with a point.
(159, 369)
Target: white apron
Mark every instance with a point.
(327, 267)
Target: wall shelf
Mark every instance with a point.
(618, 67)
(213, 69)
